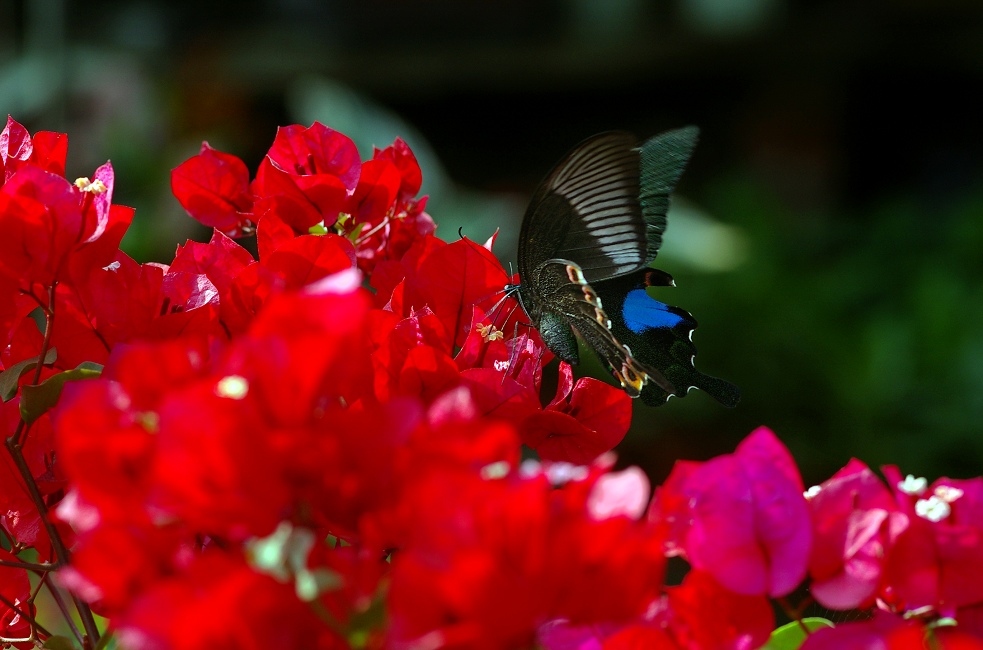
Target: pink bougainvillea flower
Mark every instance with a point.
(741, 517)
(213, 187)
(936, 561)
(855, 521)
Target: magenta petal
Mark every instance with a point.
(721, 538)
(782, 522)
(750, 523)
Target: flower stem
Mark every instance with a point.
(15, 446)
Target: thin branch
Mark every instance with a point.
(60, 602)
(30, 566)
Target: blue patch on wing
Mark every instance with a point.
(641, 312)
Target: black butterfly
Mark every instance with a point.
(591, 229)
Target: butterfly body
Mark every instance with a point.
(591, 229)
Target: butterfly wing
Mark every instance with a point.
(587, 211)
(604, 205)
(662, 161)
(570, 305)
(598, 218)
(660, 337)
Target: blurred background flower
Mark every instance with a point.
(828, 234)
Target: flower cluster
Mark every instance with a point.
(321, 447)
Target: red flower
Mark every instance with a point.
(451, 279)
(221, 260)
(376, 192)
(492, 560)
(386, 219)
(116, 562)
(46, 150)
(221, 602)
(307, 176)
(582, 422)
(42, 222)
(106, 446)
(889, 632)
(15, 148)
(213, 187)
(411, 178)
(703, 615)
(304, 260)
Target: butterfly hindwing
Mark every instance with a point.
(662, 161)
(660, 336)
(572, 305)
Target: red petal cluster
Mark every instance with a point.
(321, 447)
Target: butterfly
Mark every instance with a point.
(592, 228)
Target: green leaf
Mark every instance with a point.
(59, 643)
(37, 400)
(356, 232)
(790, 636)
(10, 376)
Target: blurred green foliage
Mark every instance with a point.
(859, 334)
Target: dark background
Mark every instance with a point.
(828, 234)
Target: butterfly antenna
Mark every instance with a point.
(492, 312)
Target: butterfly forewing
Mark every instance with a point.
(587, 211)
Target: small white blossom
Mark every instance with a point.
(932, 509)
(913, 486)
(948, 493)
